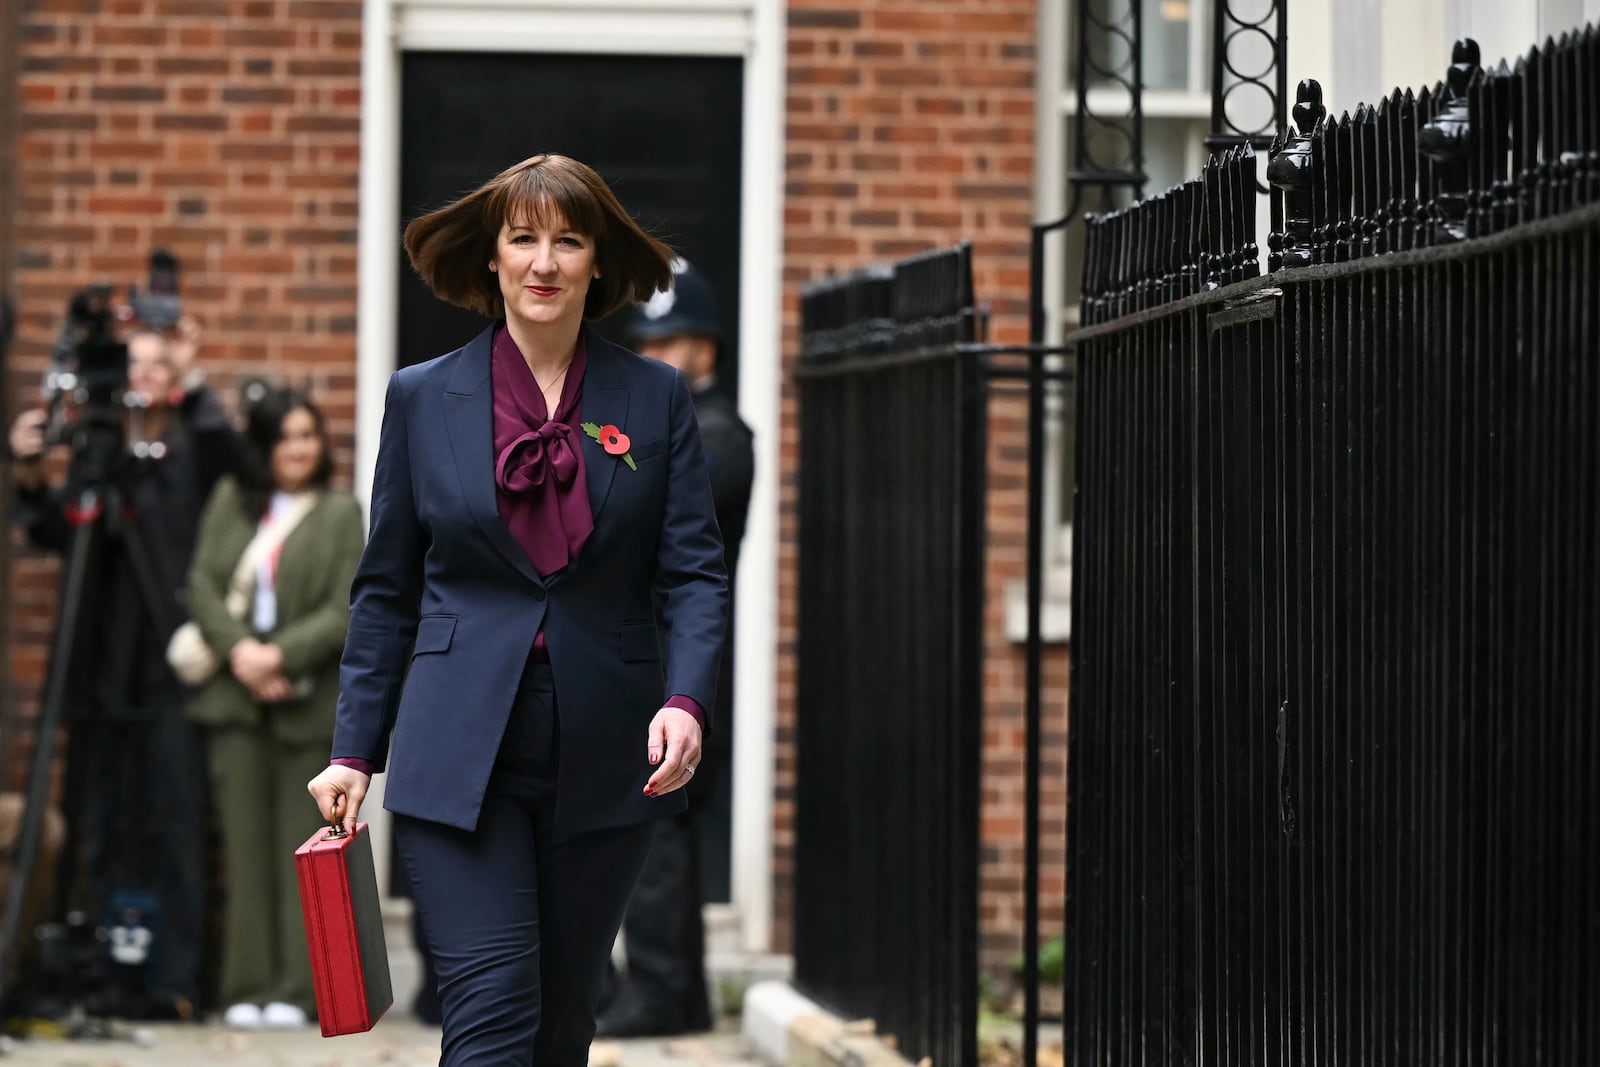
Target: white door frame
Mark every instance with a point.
(754, 31)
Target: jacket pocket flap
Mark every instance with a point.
(650, 449)
(434, 633)
(639, 644)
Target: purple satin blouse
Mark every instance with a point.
(539, 480)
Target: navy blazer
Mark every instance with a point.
(445, 588)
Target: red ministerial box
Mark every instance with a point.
(344, 930)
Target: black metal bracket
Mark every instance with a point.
(1256, 306)
(1229, 34)
(1099, 161)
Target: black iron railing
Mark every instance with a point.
(892, 432)
(1336, 601)
(1335, 605)
(1478, 153)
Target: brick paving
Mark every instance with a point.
(396, 1042)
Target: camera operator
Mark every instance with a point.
(135, 786)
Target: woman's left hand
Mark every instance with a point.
(675, 745)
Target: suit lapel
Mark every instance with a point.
(605, 403)
(469, 419)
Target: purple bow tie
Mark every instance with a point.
(534, 457)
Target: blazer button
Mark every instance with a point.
(538, 592)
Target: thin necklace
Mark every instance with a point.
(554, 380)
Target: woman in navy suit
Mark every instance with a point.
(544, 561)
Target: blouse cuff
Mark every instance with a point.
(689, 704)
(355, 763)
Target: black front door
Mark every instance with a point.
(663, 131)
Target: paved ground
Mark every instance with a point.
(396, 1042)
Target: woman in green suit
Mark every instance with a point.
(270, 591)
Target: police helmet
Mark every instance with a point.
(686, 309)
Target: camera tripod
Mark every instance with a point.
(100, 519)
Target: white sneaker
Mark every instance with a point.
(277, 1016)
(243, 1017)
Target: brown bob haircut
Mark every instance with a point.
(451, 246)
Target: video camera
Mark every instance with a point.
(85, 386)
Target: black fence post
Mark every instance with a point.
(1446, 140)
(893, 432)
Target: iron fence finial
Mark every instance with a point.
(1446, 140)
(1290, 170)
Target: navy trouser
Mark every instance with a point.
(520, 926)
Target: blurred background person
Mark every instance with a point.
(269, 592)
(664, 990)
(13, 804)
(135, 775)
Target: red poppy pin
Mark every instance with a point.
(613, 440)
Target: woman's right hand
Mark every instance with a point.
(254, 663)
(273, 690)
(27, 434)
(27, 445)
(339, 791)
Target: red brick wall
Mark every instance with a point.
(910, 126)
(8, 158)
(224, 130)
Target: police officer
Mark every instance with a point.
(664, 991)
